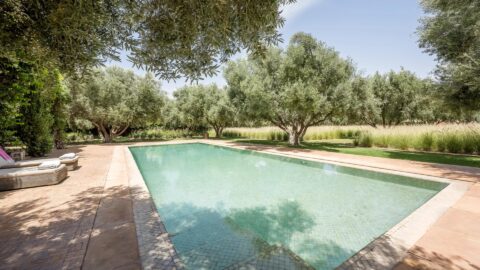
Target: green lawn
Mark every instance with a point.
(346, 147)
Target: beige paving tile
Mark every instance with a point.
(460, 221)
(450, 244)
(112, 249)
(425, 260)
(114, 211)
(474, 191)
(49, 226)
(470, 204)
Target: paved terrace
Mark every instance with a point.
(87, 221)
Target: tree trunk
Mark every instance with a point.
(293, 138)
(218, 132)
(302, 134)
(107, 137)
(58, 139)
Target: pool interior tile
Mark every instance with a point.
(208, 240)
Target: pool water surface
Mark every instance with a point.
(234, 209)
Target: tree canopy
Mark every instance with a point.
(168, 37)
(390, 99)
(450, 31)
(70, 35)
(114, 99)
(302, 86)
(200, 106)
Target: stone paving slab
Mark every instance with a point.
(113, 242)
(453, 242)
(49, 227)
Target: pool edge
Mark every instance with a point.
(157, 251)
(155, 247)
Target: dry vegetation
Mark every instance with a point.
(452, 138)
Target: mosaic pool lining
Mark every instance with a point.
(273, 212)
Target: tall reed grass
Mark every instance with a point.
(451, 138)
(313, 133)
(159, 134)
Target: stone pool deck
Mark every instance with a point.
(87, 220)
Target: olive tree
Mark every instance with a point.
(168, 37)
(114, 99)
(201, 106)
(293, 89)
(400, 96)
(450, 32)
(363, 106)
(390, 99)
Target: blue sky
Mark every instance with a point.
(379, 35)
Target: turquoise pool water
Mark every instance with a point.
(230, 209)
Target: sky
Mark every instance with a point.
(378, 35)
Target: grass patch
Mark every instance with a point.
(347, 147)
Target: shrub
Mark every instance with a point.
(453, 143)
(364, 139)
(36, 131)
(470, 142)
(426, 142)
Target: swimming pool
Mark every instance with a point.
(226, 208)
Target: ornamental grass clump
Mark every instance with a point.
(365, 139)
(426, 142)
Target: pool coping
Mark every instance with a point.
(158, 252)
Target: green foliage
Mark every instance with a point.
(364, 140)
(392, 99)
(268, 134)
(193, 37)
(36, 118)
(32, 105)
(449, 138)
(201, 106)
(149, 134)
(114, 100)
(169, 37)
(313, 133)
(452, 138)
(59, 110)
(78, 137)
(15, 83)
(35, 132)
(71, 35)
(172, 116)
(364, 106)
(292, 89)
(450, 31)
(159, 134)
(426, 141)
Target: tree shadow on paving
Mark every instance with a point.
(37, 233)
(420, 259)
